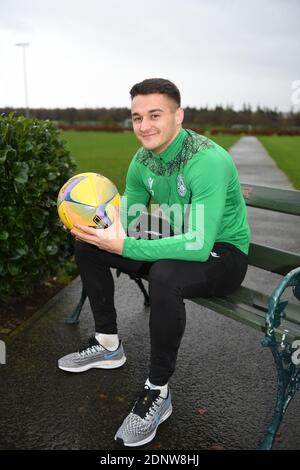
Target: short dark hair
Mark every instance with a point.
(156, 85)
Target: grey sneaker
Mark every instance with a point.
(149, 411)
(93, 355)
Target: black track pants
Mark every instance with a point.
(170, 281)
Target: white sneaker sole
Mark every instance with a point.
(96, 365)
(165, 416)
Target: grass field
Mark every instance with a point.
(102, 152)
(285, 151)
(110, 153)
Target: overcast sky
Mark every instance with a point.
(88, 53)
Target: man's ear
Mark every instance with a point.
(179, 116)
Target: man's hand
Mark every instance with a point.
(110, 239)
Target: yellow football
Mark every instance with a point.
(87, 199)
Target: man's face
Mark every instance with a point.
(156, 120)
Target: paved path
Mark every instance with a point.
(223, 389)
(255, 165)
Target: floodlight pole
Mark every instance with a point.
(23, 45)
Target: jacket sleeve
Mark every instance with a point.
(208, 180)
(135, 197)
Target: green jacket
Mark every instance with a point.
(193, 171)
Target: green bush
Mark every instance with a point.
(34, 164)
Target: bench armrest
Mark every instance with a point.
(276, 307)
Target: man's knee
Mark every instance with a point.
(164, 272)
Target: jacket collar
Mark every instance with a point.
(173, 148)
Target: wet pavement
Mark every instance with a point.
(224, 386)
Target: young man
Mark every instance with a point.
(182, 169)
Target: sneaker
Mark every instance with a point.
(93, 355)
(149, 411)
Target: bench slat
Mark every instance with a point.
(274, 199)
(248, 315)
(272, 259)
(260, 301)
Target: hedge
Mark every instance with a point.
(34, 164)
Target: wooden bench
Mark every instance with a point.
(278, 320)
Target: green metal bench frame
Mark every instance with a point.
(279, 320)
